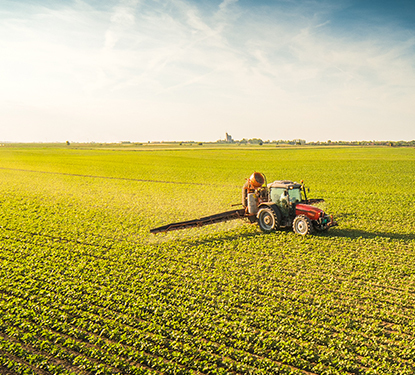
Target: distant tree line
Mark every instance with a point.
(259, 141)
(366, 143)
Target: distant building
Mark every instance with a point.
(228, 138)
(299, 141)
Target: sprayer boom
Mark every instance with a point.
(207, 220)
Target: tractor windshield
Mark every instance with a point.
(294, 195)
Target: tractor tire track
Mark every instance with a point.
(111, 177)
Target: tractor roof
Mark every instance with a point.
(284, 184)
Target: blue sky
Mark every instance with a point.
(144, 70)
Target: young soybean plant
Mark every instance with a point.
(85, 289)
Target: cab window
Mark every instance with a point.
(294, 195)
(276, 194)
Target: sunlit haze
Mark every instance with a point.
(176, 70)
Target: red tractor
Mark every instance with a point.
(280, 204)
(283, 204)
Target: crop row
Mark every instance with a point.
(85, 289)
(85, 298)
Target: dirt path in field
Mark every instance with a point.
(109, 177)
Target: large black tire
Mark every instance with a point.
(268, 220)
(302, 225)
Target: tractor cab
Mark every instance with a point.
(286, 194)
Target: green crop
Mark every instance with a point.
(85, 288)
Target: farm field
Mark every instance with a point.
(85, 288)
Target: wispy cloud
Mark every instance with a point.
(226, 3)
(158, 63)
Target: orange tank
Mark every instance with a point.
(257, 179)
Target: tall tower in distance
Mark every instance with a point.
(228, 138)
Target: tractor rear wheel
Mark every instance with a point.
(302, 225)
(268, 220)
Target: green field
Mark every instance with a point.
(85, 288)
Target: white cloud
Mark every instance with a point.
(140, 69)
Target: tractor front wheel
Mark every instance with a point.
(302, 225)
(267, 220)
